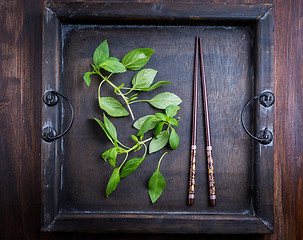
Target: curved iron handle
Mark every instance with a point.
(51, 98)
(266, 99)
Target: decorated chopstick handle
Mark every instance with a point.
(192, 175)
(211, 177)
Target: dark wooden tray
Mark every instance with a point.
(238, 49)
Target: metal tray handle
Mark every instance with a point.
(266, 99)
(51, 98)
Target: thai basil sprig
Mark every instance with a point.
(142, 81)
(119, 148)
(163, 124)
(158, 122)
(157, 142)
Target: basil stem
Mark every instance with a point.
(117, 89)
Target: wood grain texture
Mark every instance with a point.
(289, 119)
(20, 161)
(174, 13)
(20, 54)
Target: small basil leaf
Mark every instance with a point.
(158, 143)
(137, 58)
(137, 124)
(153, 87)
(171, 110)
(94, 67)
(173, 122)
(86, 78)
(130, 166)
(121, 86)
(162, 100)
(160, 116)
(101, 53)
(118, 88)
(104, 129)
(113, 107)
(148, 124)
(158, 128)
(132, 98)
(173, 139)
(156, 186)
(113, 66)
(106, 155)
(135, 138)
(113, 182)
(110, 128)
(111, 155)
(138, 148)
(144, 78)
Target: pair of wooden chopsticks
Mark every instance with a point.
(210, 163)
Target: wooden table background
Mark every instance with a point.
(20, 84)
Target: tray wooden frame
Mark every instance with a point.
(261, 16)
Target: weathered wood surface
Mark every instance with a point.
(229, 53)
(20, 139)
(173, 58)
(20, 84)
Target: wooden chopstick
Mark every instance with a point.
(209, 155)
(192, 176)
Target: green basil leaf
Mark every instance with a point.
(160, 116)
(130, 166)
(104, 129)
(153, 87)
(110, 128)
(111, 155)
(115, 59)
(101, 53)
(112, 65)
(94, 67)
(156, 186)
(112, 107)
(106, 155)
(137, 124)
(158, 143)
(138, 148)
(137, 58)
(173, 122)
(148, 124)
(113, 182)
(173, 139)
(162, 100)
(118, 88)
(133, 97)
(121, 86)
(171, 110)
(135, 138)
(158, 128)
(144, 78)
(86, 78)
